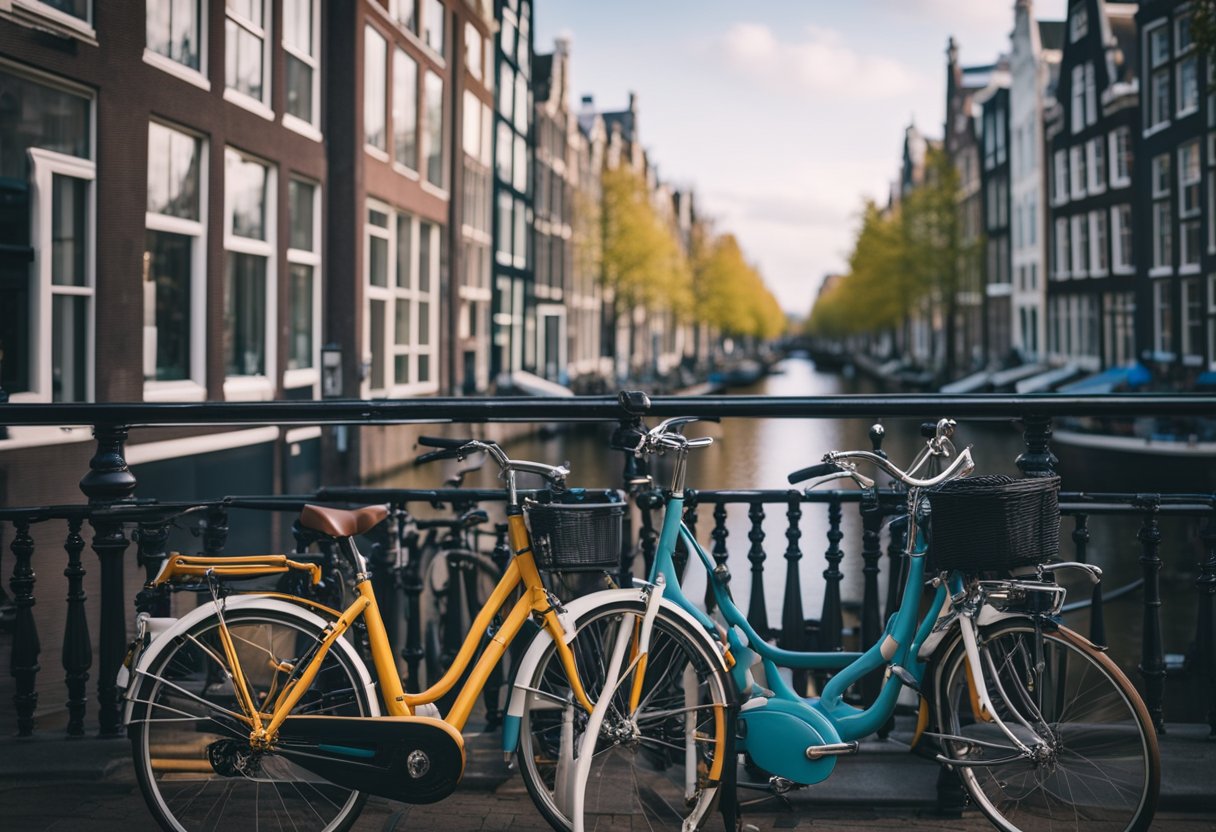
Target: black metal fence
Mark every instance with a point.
(117, 522)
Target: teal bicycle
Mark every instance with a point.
(1044, 730)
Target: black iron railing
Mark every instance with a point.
(117, 522)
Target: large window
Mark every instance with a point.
(1121, 238)
(433, 28)
(403, 264)
(174, 266)
(247, 58)
(1163, 319)
(175, 31)
(1162, 216)
(1080, 245)
(375, 87)
(1078, 98)
(1187, 66)
(302, 45)
(1078, 22)
(1192, 321)
(1095, 161)
(1120, 158)
(46, 266)
(1059, 178)
(1097, 243)
(303, 283)
(1061, 252)
(249, 277)
(1158, 110)
(1189, 176)
(405, 110)
(1076, 167)
(433, 131)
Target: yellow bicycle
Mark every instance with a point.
(254, 711)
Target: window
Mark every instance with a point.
(375, 65)
(1158, 111)
(303, 283)
(1121, 238)
(249, 276)
(403, 264)
(433, 25)
(1120, 158)
(1091, 95)
(1095, 153)
(405, 110)
(46, 284)
(1080, 245)
(1189, 175)
(1078, 98)
(174, 31)
(1060, 178)
(1163, 320)
(302, 50)
(405, 12)
(1188, 85)
(174, 274)
(474, 50)
(432, 127)
(1078, 22)
(1076, 166)
(247, 62)
(1097, 243)
(1061, 261)
(1163, 243)
(1192, 321)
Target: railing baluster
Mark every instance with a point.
(831, 623)
(152, 540)
(1205, 637)
(77, 647)
(757, 609)
(215, 531)
(26, 647)
(871, 551)
(1037, 460)
(793, 621)
(648, 502)
(719, 535)
(411, 585)
(1097, 615)
(1152, 661)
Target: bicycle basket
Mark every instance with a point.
(983, 524)
(579, 537)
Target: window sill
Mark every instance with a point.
(433, 189)
(1161, 271)
(37, 15)
(1098, 273)
(177, 70)
(1155, 129)
(405, 170)
(295, 435)
(1124, 270)
(1181, 114)
(1120, 183)
(245, 102)
(375, 152)
(174, 391)
(248, 389)
(307, 377)
(1189, 268)
(299, 125)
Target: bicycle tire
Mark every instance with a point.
(1091, 712)
(188, 674)
(660, 795)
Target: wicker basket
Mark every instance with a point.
(992, 523)
(581, 537)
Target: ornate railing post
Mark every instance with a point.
(26, 646)
(793, 621)
(1205, 635)
(831, 622)
(895, 554)
(757, 608)
(109, 480)
(152, 540)
(411, 585)
(1097, 615)
(1152, 656)
(1037, 460)
(214, 530)
(77, 646)
(719, 535)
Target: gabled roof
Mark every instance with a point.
(977, 77)
(1051, 34)
(622, 120)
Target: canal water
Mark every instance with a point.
(759, 453)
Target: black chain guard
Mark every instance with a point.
(410, 759)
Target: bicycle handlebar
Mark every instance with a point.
(962, 466)
(460, 448)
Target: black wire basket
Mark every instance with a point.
(579, 537)
(994, 523)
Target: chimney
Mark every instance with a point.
(562, 45)
(633, 102)
(588, 104)
(952, 51)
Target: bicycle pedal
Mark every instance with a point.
(904, 676)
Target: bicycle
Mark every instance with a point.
(253, 708)
(1044, 730)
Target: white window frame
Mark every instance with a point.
(1077, 174)
(261, 107)
(1162, 351)
(1061, 260)
(1196, 182)
(310, 129)
(194, 388)
(1151, 69)
(1121, 262)
(309, 376)
(260, 387)
(197, 77)
(1099, 246)
(44, 165)
(1079, 249)
(1117, 180)
(1163, 261)
(1091, 95)
(1060, 177)
(414, 173)
(1192, 354)
(424, 139)
(1095, 168)
(46, 16)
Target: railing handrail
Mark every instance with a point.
(604, 408)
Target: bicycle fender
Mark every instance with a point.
(162, 639)
(578, 608)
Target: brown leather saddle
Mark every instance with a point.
(337, 522)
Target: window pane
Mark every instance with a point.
(300, 198)
(425, 243)
(68, 206)
(376, 335)
(521, 164)
(299, 88)
(401, 369)
(69, 348)
(167, 306)
(377, 218)
(424, 323)
(434, 23)
(173, 30)
(38, 116)
(251, 10)
(424, 368)
(473, 49)
(405, 110)
(246, 184)
(401, 328)
(521, 103)
(243, 67)
(300, 312)
(245, 315)
(434, 129)
(377, 251)
(375, 64)
(504, 151)
(405, 249)
(297, 25)
(173, 172)
(406, 13)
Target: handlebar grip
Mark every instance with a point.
(928, 430)
(813, 471)
(446, 453)
(442, 442)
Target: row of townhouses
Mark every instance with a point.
(1088, 184)
(289, 199)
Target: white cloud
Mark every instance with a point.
(820, 62)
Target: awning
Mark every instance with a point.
(1206, 382)
(1131, 377)
(1015, 374)
(970, 384)
(1047, 380)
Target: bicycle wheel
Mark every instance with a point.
(192, 756)
(657, 764)
(1094, 762)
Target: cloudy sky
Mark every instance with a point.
(783, 114)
